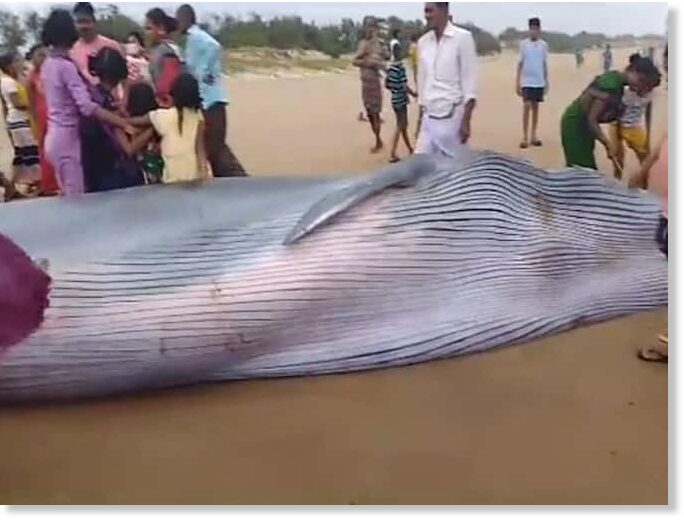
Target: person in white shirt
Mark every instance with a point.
(447, 83)
(532, 80)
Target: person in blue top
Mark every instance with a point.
(203, 59)
(532, 80)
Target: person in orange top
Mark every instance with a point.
(39, 113)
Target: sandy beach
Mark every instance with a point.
(571, 419)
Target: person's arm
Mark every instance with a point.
(140, 121)
(214, 63)
(200, 152)
(593, 117)
(32, 99)
(547, 84)
(468, 84)
(135, 144)
(361, 53)
(518, 87)
(649, 116)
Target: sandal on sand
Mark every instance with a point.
(536, 143)
(524, 144)
(652, 355)
(394, 159)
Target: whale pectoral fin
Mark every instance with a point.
(400, 175)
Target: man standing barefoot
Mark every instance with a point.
(447, 83)
(370, 59)
(203, 57)
(532, 81)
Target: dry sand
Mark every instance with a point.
(571, 419)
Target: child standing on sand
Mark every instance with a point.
(26, 163)
(532, 80)
(397, 83)
(629, 129)
(181, 129)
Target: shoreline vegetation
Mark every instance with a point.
(288, 45)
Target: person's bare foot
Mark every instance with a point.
(655, 354)
(394, 159)
(377, 148)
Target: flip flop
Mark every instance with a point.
(394, 160)
(536, 143)
(652, 355)
(524, 144)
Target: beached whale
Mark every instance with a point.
(249, 278)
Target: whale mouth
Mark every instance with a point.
(24, 291)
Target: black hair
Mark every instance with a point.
(187, 10)
(6, 60)
(84, 9)
(109, 65)
(534, 22)
(141, 99)
(415, 37)
(396, 52)
(33, 49)
(137, 36)
(646, 68)
(185, 94)
(444, 6)
(159, 18)
(59, 29)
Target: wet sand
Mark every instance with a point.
(572, 419)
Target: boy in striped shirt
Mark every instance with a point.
(397, 83)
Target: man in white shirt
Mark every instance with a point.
(447, 83)
(532, 81)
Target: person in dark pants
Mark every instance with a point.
(532, 81)
(203, 59)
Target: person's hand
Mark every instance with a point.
(518, 90)
(129, 129)
(464, 132)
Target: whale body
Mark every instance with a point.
(162, 286)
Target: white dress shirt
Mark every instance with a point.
(447, 70)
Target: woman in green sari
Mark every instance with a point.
(601, 102)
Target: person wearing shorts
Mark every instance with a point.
(629, 129)
(532, 81)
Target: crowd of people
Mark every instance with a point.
(94, 114)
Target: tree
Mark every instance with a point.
(33, 25)
(12, 35)
(113, 24)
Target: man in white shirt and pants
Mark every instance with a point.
(447, 83)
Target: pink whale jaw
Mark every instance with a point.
(24, 291)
